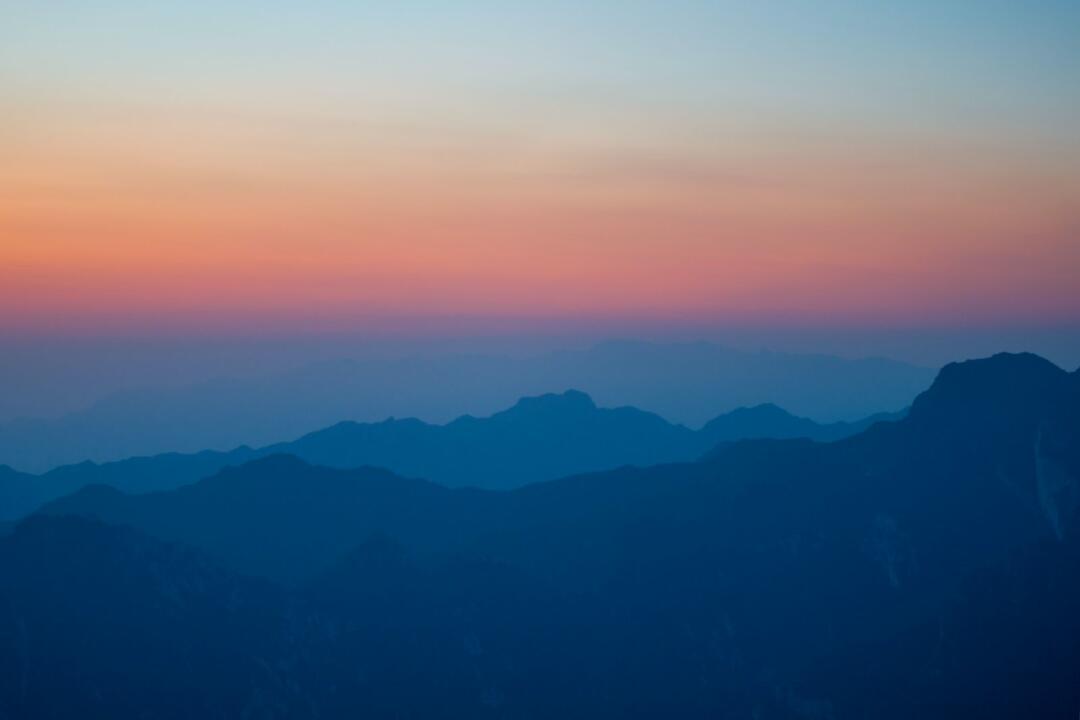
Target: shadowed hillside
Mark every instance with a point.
(884, 575)
(539, 438)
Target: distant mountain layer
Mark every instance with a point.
(688, 383)
(539, 438)
(928, 567)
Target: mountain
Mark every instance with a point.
(928, 567)
(889, 574)
(539, 438)
(688, 383)
(105, 622)
(769, 421)
(298, 518)
(21, 493)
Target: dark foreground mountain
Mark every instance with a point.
(539, 438)
(105, 622)
(924, 568)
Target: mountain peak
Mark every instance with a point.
(762, 410)
(1003, 362)
(758, 421)
(568, 401)
(1006, 381)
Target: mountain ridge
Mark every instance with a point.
(564, 433)
(887, 574)
(685, 382)
(888, 450)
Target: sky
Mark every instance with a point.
(284, 167)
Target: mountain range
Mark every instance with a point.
(539, 438)
(926, 567)
(688, 383)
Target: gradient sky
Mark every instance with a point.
(273, 165)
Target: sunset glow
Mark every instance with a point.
(283, 167)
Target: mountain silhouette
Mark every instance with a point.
(539, 438)
(686, 382)
(767, 421)
(998, 458)
(922, 568)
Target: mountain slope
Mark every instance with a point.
(772, 422)
(885, 575)
(685, 382)
(940, 464)
(104, 622)
(539, 438)
(947, 459)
